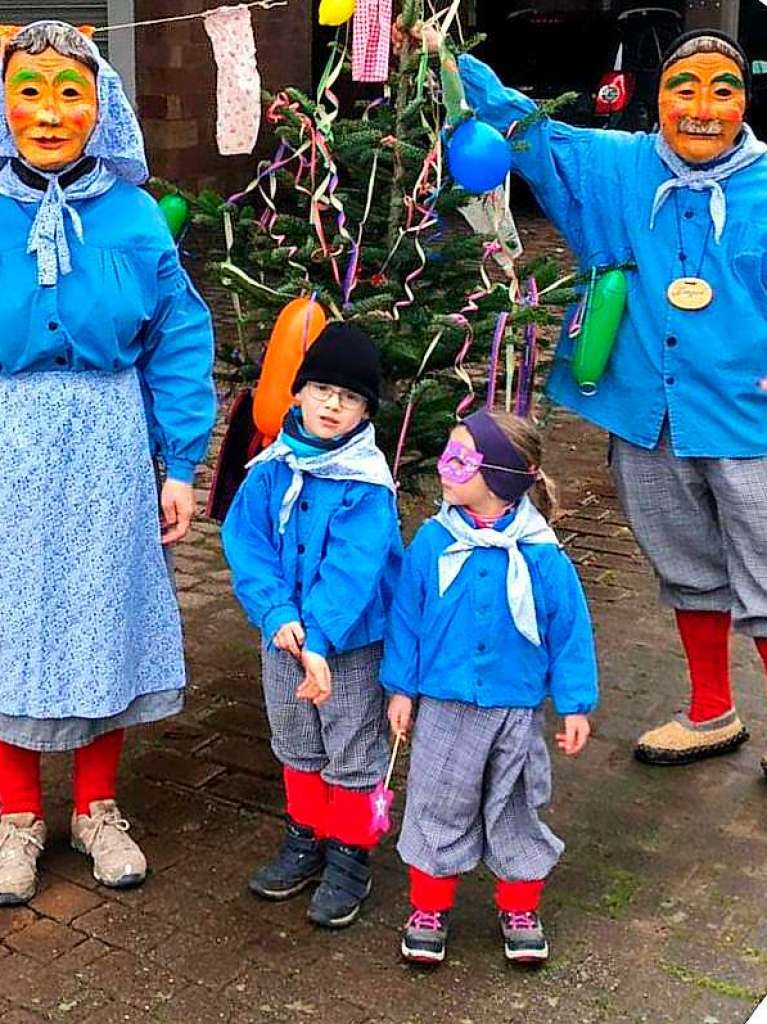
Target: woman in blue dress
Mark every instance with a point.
(106, 355)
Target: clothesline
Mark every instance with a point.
(265, 4)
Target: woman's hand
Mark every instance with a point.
(573, 739)
(317, 685)
(417, 36)
(178, 508)
(290, 638)
(400, 714)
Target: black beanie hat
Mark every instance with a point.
(345, 356)
(670, 56)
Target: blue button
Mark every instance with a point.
(669, 380)
(61, 360)
(482, 647)
(483, 572)
(301, 549)
(304, 506)
(689, 214)
(671, 341)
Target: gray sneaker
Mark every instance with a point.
(424, 940)
(22, 837)
(103, 834)
(524, 941)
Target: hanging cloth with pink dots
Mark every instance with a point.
(238, 89)
(372, 40)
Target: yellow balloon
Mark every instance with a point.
(336, 12)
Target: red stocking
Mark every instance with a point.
(20, 790)
(431, 894)
(706, 639)
(518, 897)
(350, 818)
(306, 799)
(761, 646)
(95, 772)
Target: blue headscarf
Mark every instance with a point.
(117, 145)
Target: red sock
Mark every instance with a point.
(95, 771)
(429, 893)
(761, 646)
(519, 897)
(706, 639)
(350, 818)
(20, 789)
(306, 799)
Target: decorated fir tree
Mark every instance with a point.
(360, 212)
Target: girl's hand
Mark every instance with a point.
(573, 739)
(178, 508)
(417, 35)
(317, 685)
(400, 714)
(290, 638)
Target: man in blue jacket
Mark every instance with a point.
(680, 399)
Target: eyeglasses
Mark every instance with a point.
(324, 392)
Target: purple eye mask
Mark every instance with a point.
(459, 464)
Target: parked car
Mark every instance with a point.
(627, 94)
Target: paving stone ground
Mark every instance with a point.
(656, 914)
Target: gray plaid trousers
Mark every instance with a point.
(345, 739)
(702, 523)
(477, 779)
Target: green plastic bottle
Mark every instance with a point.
(595, 342)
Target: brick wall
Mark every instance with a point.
(175, 86)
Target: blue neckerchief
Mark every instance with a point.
(705, 176)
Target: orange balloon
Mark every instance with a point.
(298, 326)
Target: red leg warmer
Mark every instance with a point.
(430, 894)
(706, 640)
(519, 897)
(350, 818)
(306, 799)
(20, 789)
(95, 770)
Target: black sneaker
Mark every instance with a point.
(299, 861)
(345, 885)
(424, 940)
(524, 941)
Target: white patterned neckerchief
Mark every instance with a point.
(47, 239)
(527, 527)
(698, 179)
(359, 459)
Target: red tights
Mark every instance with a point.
(430, 894)
(333, 812)
(706, 640)
(94, 777)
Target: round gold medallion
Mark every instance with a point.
(690, 293)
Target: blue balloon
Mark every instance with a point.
(478, 156)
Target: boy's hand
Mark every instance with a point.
(573, 739)
(400, 714)
(290, 638)
(417, 35)
(317, 686)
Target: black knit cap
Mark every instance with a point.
(345, 356)
(680, 44)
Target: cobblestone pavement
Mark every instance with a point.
(656, 913)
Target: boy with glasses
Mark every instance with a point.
(313, 542)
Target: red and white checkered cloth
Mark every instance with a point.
(372, 40)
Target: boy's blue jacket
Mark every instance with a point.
(333, 569)
(698, 369)
(464, 646)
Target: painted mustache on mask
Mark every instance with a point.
(694, 126)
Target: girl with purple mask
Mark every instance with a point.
(489, 620)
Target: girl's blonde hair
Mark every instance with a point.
(526, 438)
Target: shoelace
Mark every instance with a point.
(426, 920)
(110, 820)
(23, 835)
(524, 920)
